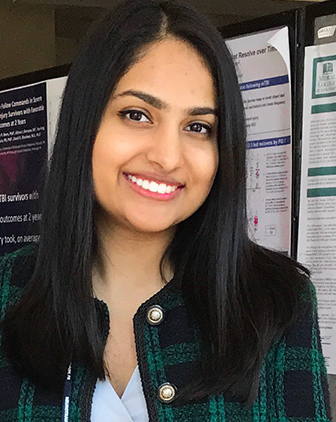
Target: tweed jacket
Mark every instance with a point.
(293, 385)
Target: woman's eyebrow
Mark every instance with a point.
(200, 111)
(160, 104)
(149, 99)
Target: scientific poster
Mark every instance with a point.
(25, 135)
(263, 65)
(317, 220)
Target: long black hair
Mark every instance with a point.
(242, 295)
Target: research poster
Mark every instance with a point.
(26, 133)
(317, 218)
(263, 66)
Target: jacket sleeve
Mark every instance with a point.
(305, 385)
(15, 270)
(5, 274)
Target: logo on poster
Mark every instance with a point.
(324, 78)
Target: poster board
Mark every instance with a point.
(320, 23)
(266, 56)
(317, 217)
(29, 107)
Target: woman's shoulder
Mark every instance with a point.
(306, 325)
(16, 268)
(296, 359)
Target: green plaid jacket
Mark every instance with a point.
(293, 384)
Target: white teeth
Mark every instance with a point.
(152, 186)
(145, 184)
(162, 188)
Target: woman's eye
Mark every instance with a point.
(135, 115)
(199, 128)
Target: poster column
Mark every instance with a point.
(28, 124)
(317, 219)
(23, 152)
(55, 89)
(262, 62)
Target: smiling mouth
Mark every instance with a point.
(152, 186)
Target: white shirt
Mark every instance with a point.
(107, 406)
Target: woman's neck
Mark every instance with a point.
(129, 262)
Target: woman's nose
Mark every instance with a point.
(165, 148)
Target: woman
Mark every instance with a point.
(144, 273)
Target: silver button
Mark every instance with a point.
(155, 315)
(166, 392)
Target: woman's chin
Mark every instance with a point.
(153, 225)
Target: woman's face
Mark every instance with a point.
(155, 155)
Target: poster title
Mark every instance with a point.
(251, 53)
(8, 110)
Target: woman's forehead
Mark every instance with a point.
(173, 71)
